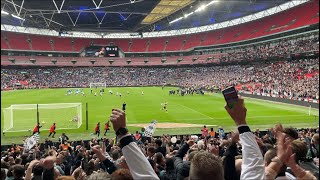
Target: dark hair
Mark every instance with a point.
(115, 154)
(169, 164)
(158, 142)
(37, 170)
(18, 171)
(291, 132)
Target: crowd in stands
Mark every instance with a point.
(294, 79)
(268, 50)
(279, 153)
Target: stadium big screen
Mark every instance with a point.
(111, 51)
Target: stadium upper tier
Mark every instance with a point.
(306, 14)
(280, 50)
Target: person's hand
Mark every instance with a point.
(190, 142)
(214, 150)
(118, 119)
(291, 161)
(284, 149)
(278, 128)
(259, 142)
(238, 113)
(96, 149)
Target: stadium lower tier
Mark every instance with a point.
(297, 79)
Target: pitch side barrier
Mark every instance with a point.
(282, 100)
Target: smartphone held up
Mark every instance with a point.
(231, 96)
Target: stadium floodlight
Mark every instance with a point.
(17, 17)
(187, 15)
(4, 12)
(212, 2)
(176, 20)
(201, 8)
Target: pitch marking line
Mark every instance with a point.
(194, 110)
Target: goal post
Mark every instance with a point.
(98, 85)
(23, 117)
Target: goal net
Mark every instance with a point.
(23, 117)
(98, 85)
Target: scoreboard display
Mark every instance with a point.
(111, 51)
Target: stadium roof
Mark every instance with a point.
(126, 15)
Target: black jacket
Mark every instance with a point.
(182, 168)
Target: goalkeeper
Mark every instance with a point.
(36, 129)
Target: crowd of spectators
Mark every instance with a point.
(278, 153)
(283, 48)
(294, 79)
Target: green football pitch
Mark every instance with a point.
(186, 113)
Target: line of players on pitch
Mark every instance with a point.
(101, 91)
(52, 130)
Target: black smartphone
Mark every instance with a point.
(231, 96)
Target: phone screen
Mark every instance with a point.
(231, 96)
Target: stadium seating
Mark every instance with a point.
(41, 43)
(303, 15)
(62, 44)
(138, 45)
(4, 44)
(18, 41)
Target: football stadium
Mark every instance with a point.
(186, 89)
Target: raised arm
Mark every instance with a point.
(252, 159)
(138, 164)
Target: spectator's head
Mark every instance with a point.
(291, 133)
(204, 126)
(191, 155)
(315, 139)
(151, 151)
(37, 170)
(18, 171)
(206, 166)
(211, 129)
(98, 176)
(121, 174)
(160, 158)
(4, 164)
(3, 174)
(158, 143)
(18, 161)
(300, 148)
(137, 132)
(115, 154)
(169, 164)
